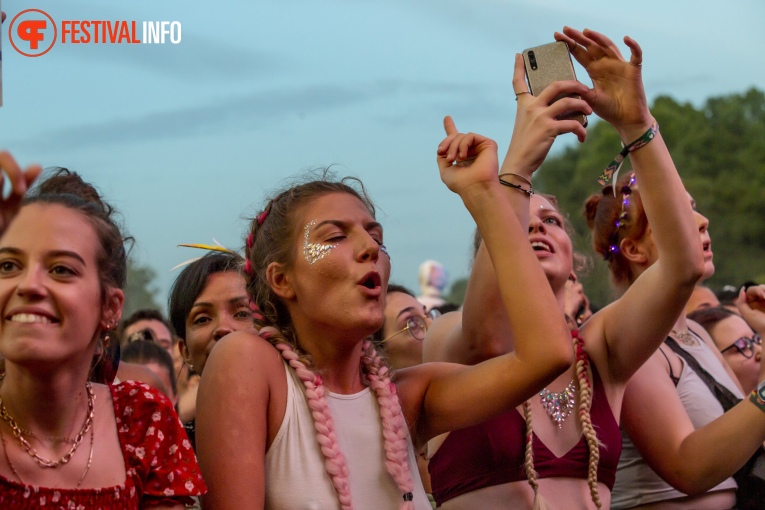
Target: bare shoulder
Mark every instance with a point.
(242, 350)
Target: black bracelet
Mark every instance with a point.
(529, 192)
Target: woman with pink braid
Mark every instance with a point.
(307, 414)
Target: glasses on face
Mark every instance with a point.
(416, 326)
(745, 345)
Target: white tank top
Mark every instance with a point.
(636, 483)
(295, 475)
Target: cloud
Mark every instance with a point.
(264, 109)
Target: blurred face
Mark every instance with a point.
(164, 375)
(734, 331)
(550, 241)
(340, 272)
(221, 308)
(50, 295)
(706, 240)
(702, 297)
(403, 349)
(162, 335)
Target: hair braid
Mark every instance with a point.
(334, 461)
(393, 425)
(528, 460)
(593, 445)
(585, 403)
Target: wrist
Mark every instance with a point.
(630, 132)
(757, 396)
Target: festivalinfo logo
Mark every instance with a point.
(33, 32)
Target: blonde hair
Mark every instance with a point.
(593, 445)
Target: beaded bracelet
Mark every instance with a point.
(755, 398)
(612, 170)
(529, 192)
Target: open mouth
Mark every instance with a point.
(371, 280)
(706, 245)
(541, 246)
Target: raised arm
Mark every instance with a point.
(485, 330)
(456, 396)
(635, 325)
(691, 460)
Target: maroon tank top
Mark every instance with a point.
(492, 453)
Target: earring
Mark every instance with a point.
(191, 366)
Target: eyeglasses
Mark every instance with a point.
(416, 326)
(745, 345)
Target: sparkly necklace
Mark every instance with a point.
(559, 405)
(686, 337)
(42, 461)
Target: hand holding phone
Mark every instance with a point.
(547, 64)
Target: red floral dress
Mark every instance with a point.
(159, 461)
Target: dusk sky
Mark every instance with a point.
(187, 139)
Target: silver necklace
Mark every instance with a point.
(559, 405)
(686, 337)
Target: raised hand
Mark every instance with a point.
(751, 306)
(536, 122)
(21, 180)
(466, 160)
(617, 95)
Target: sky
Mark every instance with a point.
(188, 140)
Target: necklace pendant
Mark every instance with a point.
(559, 405)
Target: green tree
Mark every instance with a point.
(141, 290)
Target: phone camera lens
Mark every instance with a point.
(532, 61)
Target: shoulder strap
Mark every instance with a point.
(727, 399)
(672, 375)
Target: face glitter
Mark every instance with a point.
(313, 252)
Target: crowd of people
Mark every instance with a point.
(295, 376)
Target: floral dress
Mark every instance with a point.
(159, 462)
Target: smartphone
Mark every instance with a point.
(546, 64)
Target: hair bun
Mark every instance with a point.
(591, 209)
(63, 181)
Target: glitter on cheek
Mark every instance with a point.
(313, 252)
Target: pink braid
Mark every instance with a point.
(393, 425)
(334, 462)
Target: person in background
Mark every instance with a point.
(150, 355)
(208, 300)
(433, 282)
(702, 297)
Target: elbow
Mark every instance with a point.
(692, 482)
(562, 359)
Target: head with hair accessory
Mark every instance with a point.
(619, 227)
(64, 266)
(315, 254)
(209, 300)
(622, 235)
(318, 271)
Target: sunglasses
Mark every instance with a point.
(745, 345)
(416, 326)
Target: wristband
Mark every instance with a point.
(612, 170)
(529, 191)
(755, 399)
